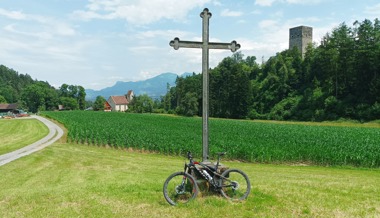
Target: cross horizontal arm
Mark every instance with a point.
(176, 44)
(233, 46)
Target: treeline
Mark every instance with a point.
(35, 96)
(338, 79)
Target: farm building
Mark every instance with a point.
(107, 106)
(118, 103)
(5, 108)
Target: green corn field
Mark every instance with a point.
(263, 142)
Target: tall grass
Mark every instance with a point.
(71, 180)
(243, 140)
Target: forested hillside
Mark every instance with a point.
(340, 78)
(34, 95)
(11, 84)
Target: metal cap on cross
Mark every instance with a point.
(205, 45)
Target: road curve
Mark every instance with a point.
(55, 133)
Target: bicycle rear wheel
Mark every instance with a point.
(180, 188)
(235, 184)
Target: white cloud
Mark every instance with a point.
(264, 2)
(11, 28)
(267, 24)
(138, 12)
(373, 10)
(304, 2)
(229, 13)
(16, 15)
(165, 34)
(271, 2)
(45, 26)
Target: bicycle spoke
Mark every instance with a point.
(180, 188)
(235, 185)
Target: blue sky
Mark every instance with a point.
(94, 43)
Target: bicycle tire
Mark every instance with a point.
(180, 188)
(235, 185)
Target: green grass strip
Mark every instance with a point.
(17, 133)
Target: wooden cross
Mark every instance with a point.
(205, 45)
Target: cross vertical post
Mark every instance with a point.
(205, 15)
(205, 45)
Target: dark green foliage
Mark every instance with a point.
(338, 79)
(12, 83)
(39, 96)
(2, 99)
(36, 95)
(69, 103)
(141, 104)
(99, 103)
(71, 93)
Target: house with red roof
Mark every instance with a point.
(118, 103)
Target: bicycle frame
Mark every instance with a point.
(192, 165)
(181, 187)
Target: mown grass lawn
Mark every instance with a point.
(70, 180)
(17, 133)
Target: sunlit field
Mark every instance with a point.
(17, 133)
(326, 144)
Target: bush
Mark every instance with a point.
(159, 111)
(375, 111)
(285, 109)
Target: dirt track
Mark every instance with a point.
(55, 132)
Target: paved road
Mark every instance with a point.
(55, 132)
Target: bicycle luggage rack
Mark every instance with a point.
(199, 176)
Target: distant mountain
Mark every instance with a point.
(153, 87)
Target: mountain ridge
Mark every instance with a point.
(154, 87)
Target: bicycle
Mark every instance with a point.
(181, 187)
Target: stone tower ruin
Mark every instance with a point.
(300, 37)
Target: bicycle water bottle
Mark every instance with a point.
(207, 175)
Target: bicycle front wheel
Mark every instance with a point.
(235, 184)
(180, 188)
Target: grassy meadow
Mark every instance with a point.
(70, 180)
(78, 180)
(17, 133)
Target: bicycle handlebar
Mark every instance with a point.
(189, 156)
(221, 153)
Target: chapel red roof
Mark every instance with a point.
(119, 99)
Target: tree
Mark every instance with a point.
(338, 78)
(2, 99)
(230, 88)
(76, 92)
(69, 103)
(99, 103)
(39, 96)
(141, 104)
(189, 104)
(12, 83)
(81, 98)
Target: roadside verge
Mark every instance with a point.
(55, 133)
